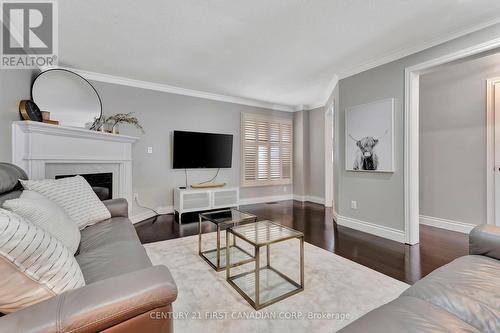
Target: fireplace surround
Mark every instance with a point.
(48, 151)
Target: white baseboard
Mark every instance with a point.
(371, 228)
(446, 224)
(257, 200)
(144, 214)
(309, 198)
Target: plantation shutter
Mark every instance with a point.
(266, 150)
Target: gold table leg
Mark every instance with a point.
(302, 261)
(228, 256)
(199, 234)
(257, 277)
(218, 247)
(268, 255)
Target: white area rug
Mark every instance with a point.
(337, 291)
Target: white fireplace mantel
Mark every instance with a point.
(36, 146)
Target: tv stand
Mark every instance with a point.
(203, 199)
(208, 185)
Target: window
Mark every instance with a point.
(266, 150)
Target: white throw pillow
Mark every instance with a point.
(74, 195)
(34, 265)
(47, 215)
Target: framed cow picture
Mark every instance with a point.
(369, 137)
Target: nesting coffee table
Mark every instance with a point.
(266, 285)
(223, 219)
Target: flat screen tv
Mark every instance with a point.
(194, 150)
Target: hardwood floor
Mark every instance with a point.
(403, 262)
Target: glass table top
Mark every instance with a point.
(227, 216)
(272, 284)
(264, 232)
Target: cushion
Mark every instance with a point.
(9, 196)
(47, 215)
(74, 195)
(408, 315)
(34, 265)
(103, 246)
(9, 177)
(467, 288)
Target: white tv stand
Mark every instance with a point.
(193, 200)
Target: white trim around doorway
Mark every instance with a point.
(490, 150)
(411, 128)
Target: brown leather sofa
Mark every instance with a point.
(463, 296)
(124, 292)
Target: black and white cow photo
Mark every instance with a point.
(369, 137)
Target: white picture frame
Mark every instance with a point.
(369, 137)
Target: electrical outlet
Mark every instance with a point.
(150, 150)
(136, 196)
(354, 204)
(284, 189)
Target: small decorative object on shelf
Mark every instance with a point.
(123, 118)
(30, 111)
(99, 124)
(110, 124)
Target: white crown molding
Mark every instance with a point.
(124, 81)
(322, 101)
(452, 225)
(404, 52)
(371, 228)
(326, 95)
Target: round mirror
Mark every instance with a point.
(69, 98)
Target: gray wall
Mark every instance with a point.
(309, 153)
(300, 152)
(315, 176)
(161, 113)
(15, 85)
(380, 196)
(309, 150)
(453, 140)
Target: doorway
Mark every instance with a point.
(411, 130)
(453, 151)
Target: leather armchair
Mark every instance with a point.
(485, 240)
(129, 301)
(124, 291)
(461, 296)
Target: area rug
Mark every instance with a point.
(337, 291)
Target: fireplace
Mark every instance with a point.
(45, 151)
(101, 183)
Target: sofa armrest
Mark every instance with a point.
(99, 305)
(117, 207)
(485, 240)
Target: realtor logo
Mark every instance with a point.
(29, 34)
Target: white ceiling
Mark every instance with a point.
(280, 51)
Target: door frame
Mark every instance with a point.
(329, 138)
(411, 131)
(490, 149)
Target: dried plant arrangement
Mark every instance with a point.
(123, 118)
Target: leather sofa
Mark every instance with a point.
(463, 296)
(124, 292)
